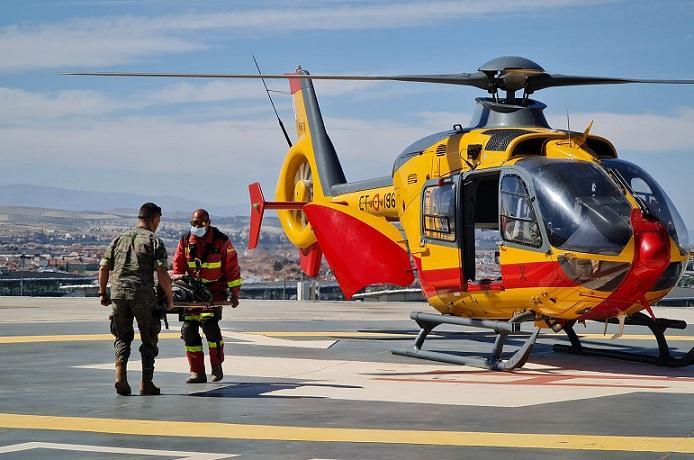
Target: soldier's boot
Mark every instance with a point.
(196, 360)
(122, 387)
(216, 359)
(147, 388)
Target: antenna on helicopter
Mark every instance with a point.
(279, 120)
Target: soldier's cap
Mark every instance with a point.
(148, 211)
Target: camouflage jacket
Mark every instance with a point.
(132, 258)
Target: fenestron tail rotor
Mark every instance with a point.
(303, 190)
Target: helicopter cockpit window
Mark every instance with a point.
(517, 218)
(653, 197)
(439, 212)
(582, 208)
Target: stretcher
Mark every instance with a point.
(179, 307)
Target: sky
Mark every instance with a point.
(207, 140)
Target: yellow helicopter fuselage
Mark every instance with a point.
(449, 186)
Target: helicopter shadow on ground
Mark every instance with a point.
(544, 355)
(255, 390)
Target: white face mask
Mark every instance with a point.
(198, 231)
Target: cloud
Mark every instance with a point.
(82, 43)
(20, 107)
(116, 40)
(348, 15)
(644, 132)
(231, 90)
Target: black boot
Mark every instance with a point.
(217, 373)
(147, 388)
(122, 387)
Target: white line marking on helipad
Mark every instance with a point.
(429, 383)
(255, 339)
(177, 454)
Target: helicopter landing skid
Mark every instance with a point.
(657, 327)
(428, 322)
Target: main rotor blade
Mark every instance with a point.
(477, 79)
(512, 80)
(542, 81)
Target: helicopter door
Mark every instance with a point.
(479, 217)
(440, 264)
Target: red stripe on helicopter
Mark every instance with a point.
(651, 259)
(359, 254)
(439, 281)
(294, 83)
(529, 275)
(536, 274)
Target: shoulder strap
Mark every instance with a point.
(218, 235)
(209, 246)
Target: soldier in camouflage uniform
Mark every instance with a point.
(133, 257)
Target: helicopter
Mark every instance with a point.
(580, 234)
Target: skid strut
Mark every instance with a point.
(657, 327)
(427, 322)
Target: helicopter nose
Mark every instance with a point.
(654, 251)
(651, 259)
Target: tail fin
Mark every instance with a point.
(257, 211)
(309, 123)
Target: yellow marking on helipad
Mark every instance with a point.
(345, 334)
(72, 337)
(680, 445)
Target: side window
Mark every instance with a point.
(438, 212)
(644, 191)
(517, 218)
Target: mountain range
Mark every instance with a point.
(41, 196)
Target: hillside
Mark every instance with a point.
(41, 196)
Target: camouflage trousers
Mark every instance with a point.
(124, 311)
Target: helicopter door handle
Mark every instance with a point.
(422, 251)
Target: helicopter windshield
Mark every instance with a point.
(582, 208)
(653, 197)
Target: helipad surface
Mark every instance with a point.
(318, 381)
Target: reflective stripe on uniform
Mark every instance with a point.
(214, 344)
(206, 281)
(235, 283)
(191, 318)
(206, 265)
(194, 348)
(206, 314)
